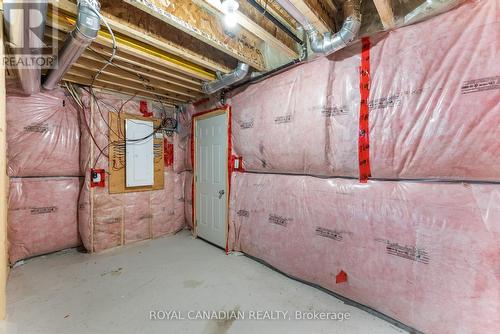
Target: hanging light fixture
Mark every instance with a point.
(229, 8)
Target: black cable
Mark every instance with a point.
(158, 98)
(274, 20)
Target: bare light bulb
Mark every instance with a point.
(230, 20)
(229, 8)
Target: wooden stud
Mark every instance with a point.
(317, 13)
(4, 183)
(385, 12)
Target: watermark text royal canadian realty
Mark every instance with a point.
(247, 315)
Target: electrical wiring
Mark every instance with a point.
(117, 146)
(91, 92)
(143, 81)
(95, 4)
(80, 103)
(164, 121)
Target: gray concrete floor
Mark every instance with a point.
(114, 292)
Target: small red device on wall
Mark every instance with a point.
(97, 178)
(341, 277)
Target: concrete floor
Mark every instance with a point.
(114, 292)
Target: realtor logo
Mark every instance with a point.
(24, 24)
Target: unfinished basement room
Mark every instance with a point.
(250, 166)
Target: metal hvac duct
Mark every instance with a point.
(428, 8)
(329, 43)
(24, 28)
(86, 29)
(225, 80)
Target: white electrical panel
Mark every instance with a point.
(139, 159)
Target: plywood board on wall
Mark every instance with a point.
(117, 154)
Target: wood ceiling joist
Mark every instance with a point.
(134, 63)
(93, 60)
(121, 82)
(385, 12)
(110, 72)
(199, 23)
(151, 69)
(140, 34)
(278, 12)
(256, 25)
(138, 60)
(317, 13)
(83, 79)
(126, 46)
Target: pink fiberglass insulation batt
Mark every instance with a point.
(426, 254)
(434, 105)
(42, 134)
(110, 220)
(182, 141)
(125, 218)
(42, 216)
(167, 206)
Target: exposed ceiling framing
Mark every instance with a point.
(255, 22)
(193, 19)
(320, 13)
(139, 68)
(166, 49)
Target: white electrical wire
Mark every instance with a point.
(93, 5)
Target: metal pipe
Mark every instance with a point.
(274, 20)
(85, 31)
(428, 8)
(329, 43)
(24, 40)
(261, 76)
(238, 74)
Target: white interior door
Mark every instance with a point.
(211, 179)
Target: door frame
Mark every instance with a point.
(225, 109)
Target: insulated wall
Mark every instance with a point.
(420, 241)
(43, 134)
(426, 254)
(109, 220)
(433, 96)
(42, 215)
(182, 158)
(43, 153)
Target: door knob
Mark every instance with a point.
(221, 193)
